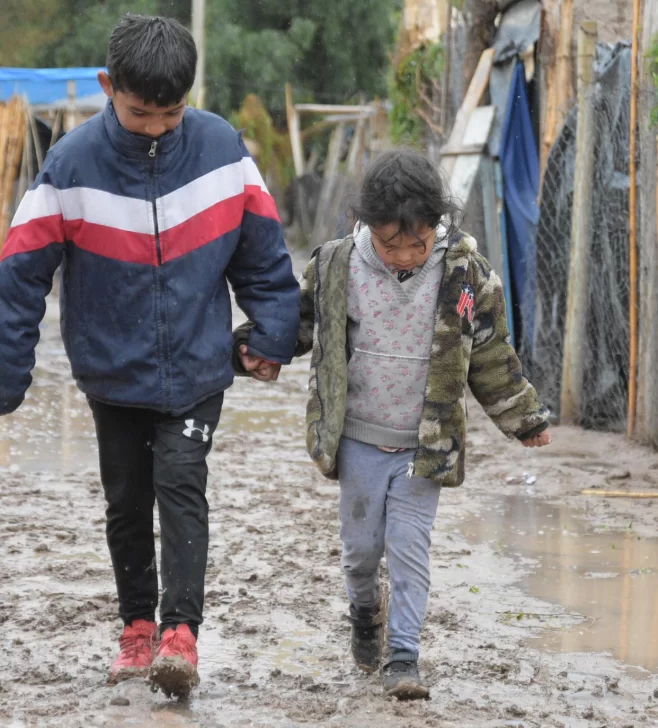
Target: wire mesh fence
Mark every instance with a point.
(606, 341)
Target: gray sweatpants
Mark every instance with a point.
(383, 509)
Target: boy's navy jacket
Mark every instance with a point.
(149, 234)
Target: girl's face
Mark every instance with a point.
(403, 251)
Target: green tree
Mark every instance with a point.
(84, 42)
(179, 9)
(329, 51)
(26, 27)
(45, 33)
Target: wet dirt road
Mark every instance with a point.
(542, 611)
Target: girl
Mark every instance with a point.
(401, 317)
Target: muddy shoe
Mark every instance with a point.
(137, 644)
(401, 679)
(366, 638)
(174, 669)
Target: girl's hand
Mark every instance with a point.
(540, 440)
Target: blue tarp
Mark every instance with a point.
(519, 159)
(47, 85)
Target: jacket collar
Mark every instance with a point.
(461, 244)
(363, 243)
(136, 145)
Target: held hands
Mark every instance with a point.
(541, 440)
(259, 368)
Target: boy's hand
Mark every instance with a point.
(259, 368)
(540, 440)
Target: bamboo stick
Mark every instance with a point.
(328, 184)
(445, 80)
(646, 417)
(11, 155)
(563, 85)
(4, 129)
(293, 131)
(35, 136)
(632, 367)
(27, 153)
(334, 109)
(355, 154)
(559, 88)
(24, 174)
(57, 126)
(474, 95)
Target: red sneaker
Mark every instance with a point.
(174, 669)
(138, 643)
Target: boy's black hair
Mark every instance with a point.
(153, 58)
(403, 187)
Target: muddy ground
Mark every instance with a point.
(542, 611)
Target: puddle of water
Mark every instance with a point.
(52, 430)
(610, 577)
(82, 556)
(294, 655)
(260, 420)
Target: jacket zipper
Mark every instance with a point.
(161, 322)
(152, 153)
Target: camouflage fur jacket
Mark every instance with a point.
(470, 345)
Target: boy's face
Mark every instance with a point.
(403, 251)
(139, 118)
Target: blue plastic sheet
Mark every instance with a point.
(47, 85)
(519, 159)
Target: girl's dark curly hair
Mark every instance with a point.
(403, 187)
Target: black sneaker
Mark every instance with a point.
(366, 638)
(400, 678)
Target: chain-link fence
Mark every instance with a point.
(604, 402)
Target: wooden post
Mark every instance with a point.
(24, 174)
(355, 154)
(11, 153)
(29, 156)
(5, 111)
(496, 231)
(293, 131)
(559, 89)
(464, 162)
(575, 335)
(445, 81)
(647, 400)
(632, 365)
(506, 272)
(328, 184)
(199, 33)
(71, 116)
(547, 56)
(35, 135)
(57, 126)
(474, 95)
(563, 84)
(328, 109)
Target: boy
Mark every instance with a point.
(150, 208)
